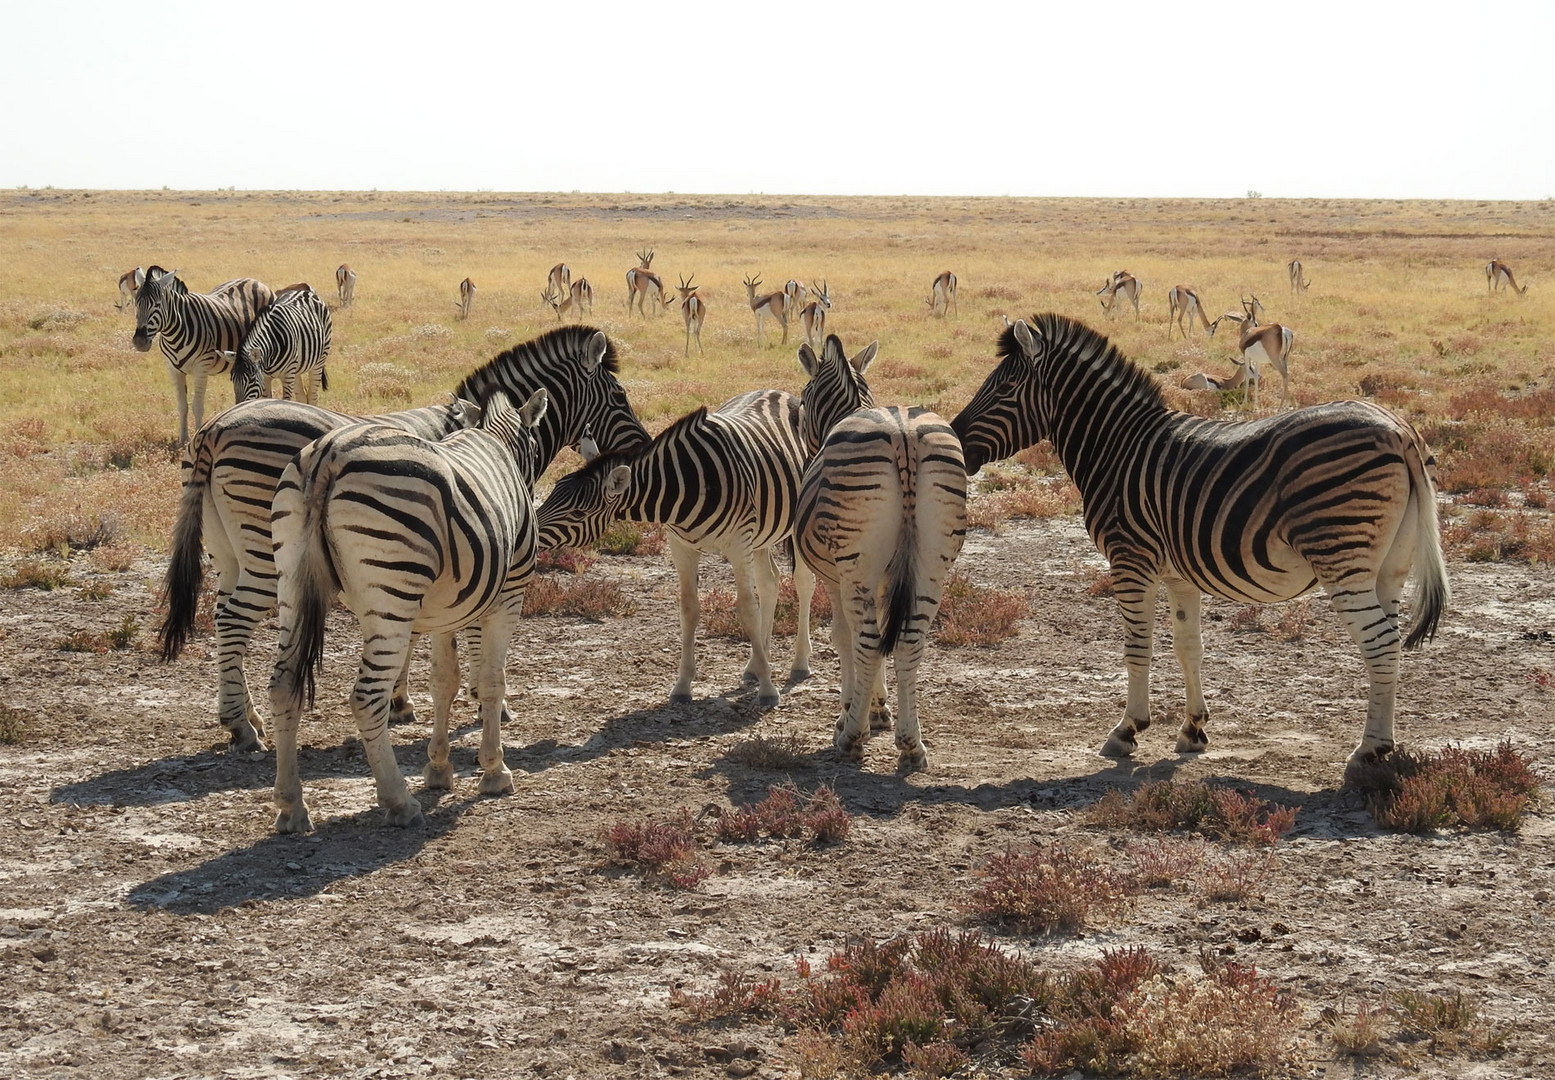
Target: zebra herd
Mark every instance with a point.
(423, 522)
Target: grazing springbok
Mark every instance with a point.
(559, 280)
(693, 310)
(639, 281)
(774, 304)
(813, 316)
(1498, 274)
(1124, 284)
(466, 297)
(1182, 302)
(795, 294)
(129, 281)
(1298, 284)
(942, 295)
(1261, 343)
(345, 284)
(578, 295)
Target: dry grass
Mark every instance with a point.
(1059, 887)
(1192, 805)
(782, 753)
(971, 614)
(578, 596)
(15, 725)
(1423, 792)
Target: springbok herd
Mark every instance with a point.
(424, 522)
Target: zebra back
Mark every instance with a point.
(196, 328)
(577, 366)
(291, 339)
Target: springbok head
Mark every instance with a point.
(686, 288)
(645, 259)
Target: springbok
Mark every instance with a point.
(1124, 284)
(1183, 301)
(1260, 343)
(345, 284)
(795, 294)
(558, 281)
(942, 295)
(812, 317)
(129, 281)
(693, 310)
(774, 304)
(466, 297)
(1298, 284)
(1498, 274)
(575, 297)
(639, 280)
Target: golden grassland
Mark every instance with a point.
(1398, 312)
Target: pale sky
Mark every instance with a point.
(1300, 99)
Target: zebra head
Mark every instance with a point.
(516, 428)
(583, 504)
(1001, 418)
(151, 301)
(836, 388)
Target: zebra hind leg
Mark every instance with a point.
(401, 711)
(386, 640)
(1136, 601)
(497, 630)
(912, 754)
(1365, 616)
(863, 639)
(804, 592)
(439, 774)
(1188, 646)
(686, 559)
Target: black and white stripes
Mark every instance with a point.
(289, 342)
(1341, 496)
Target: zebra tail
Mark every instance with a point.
(317, 587)
(1432, 592)
(902, 586)
(323, 378)
(185, 573)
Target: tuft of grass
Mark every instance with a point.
(119, 638)
(1005, 496)
(1236, 876)
(1450, 1024)
(1420, 793)
(667, 849)
(584, 597)
(1097, 580)
(75, 532)
(95, 590)
(976, 614)
(1356, 1033)
(721, 611)
(565, 560)
(1164, 862)
(632, 538)
(1055, 887)
(782, 753)
(45, 574)
(1218, 812)
(15, 725)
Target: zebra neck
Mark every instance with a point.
(1092, 437)
(673, 485)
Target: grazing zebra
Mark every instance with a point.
(466, 297)
(197, 331)
(881, 519)
(723, 481)
(233, 463)
(289, 342)
(414, 537)
(1498, 275)
(1340, 495)
(129, 281)
(345, 284)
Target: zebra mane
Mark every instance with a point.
(167, 279)
(607, 461)
(537, 353)
(1071, 342)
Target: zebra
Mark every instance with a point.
(345, 284)
(197, 331)
(1341, 495)
(414, 537)
(289, 342)
(721, 481)
(881, 520)
(233, 463)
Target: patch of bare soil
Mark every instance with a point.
(151, 925)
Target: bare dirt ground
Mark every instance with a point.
(151, 925)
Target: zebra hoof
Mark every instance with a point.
(678, 697)
(880, 719)
(401, 711)
(407, 816)
(497, 782)
(1192, 742)
(1361, 762)
(294, 820)
(799, 674)
(768, 701)
(438, 777)
(912, 760)
(1117, 747)
(244, 740)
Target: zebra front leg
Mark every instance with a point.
(385, 641)
(181, 393)
(1188, 647)
(1364, 615)
(804, 592)
(686, 559)
(1136, 602)
(439, 774)
(496, 632)
(285, 708)
(199, 399)
(472, 656)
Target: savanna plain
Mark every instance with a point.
(707, 890)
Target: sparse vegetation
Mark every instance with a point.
(1193, 806)
(1058, 886)
(584, 596)
(786, 813)
(1450, 1024)
(780, 753)
(14, 725)
(1427, 791)
(46, 574)
(119, 638)
(971, 614)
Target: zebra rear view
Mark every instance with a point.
(414, 537)
(1341, 496)
(881, 520)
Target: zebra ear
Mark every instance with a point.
(1026, 338)
(533, 410)
(862, 361)
(831, 350)
(467, 412)
(594, 352)
(618, 481)
(588, 448)
(808, 360)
